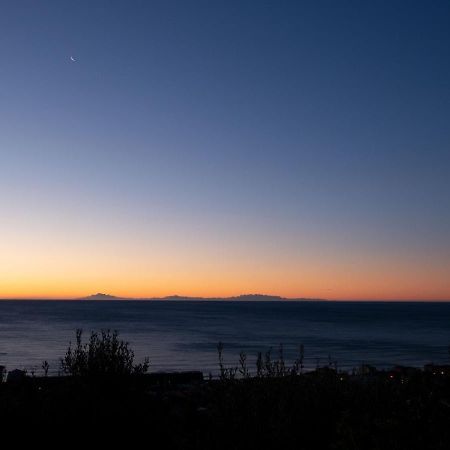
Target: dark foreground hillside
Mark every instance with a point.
(319, 410)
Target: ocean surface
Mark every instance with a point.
(183, 335)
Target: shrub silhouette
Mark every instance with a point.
(45, 367)
(226, 373)
(104, 354)
(266, 366)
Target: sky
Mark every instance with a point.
(216, 148)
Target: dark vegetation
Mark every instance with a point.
(278, 405)
(104, 355)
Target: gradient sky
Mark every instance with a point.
(225, 147)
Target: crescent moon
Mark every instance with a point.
(72, 59)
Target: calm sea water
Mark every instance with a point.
(183, 335)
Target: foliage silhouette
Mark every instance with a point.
(281, 407)
(104, 354)
(266, 367)
(45, 367)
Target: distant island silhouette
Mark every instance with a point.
(100, 296)
(244, 297)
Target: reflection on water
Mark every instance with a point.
(182, 335)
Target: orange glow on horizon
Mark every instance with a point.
(331, 286)
(52, 264)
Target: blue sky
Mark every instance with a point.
(315, 126)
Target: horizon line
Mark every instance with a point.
(297, 298)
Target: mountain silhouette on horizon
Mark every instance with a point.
(243, 297)
(101, 296)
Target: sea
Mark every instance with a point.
(183, 335)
